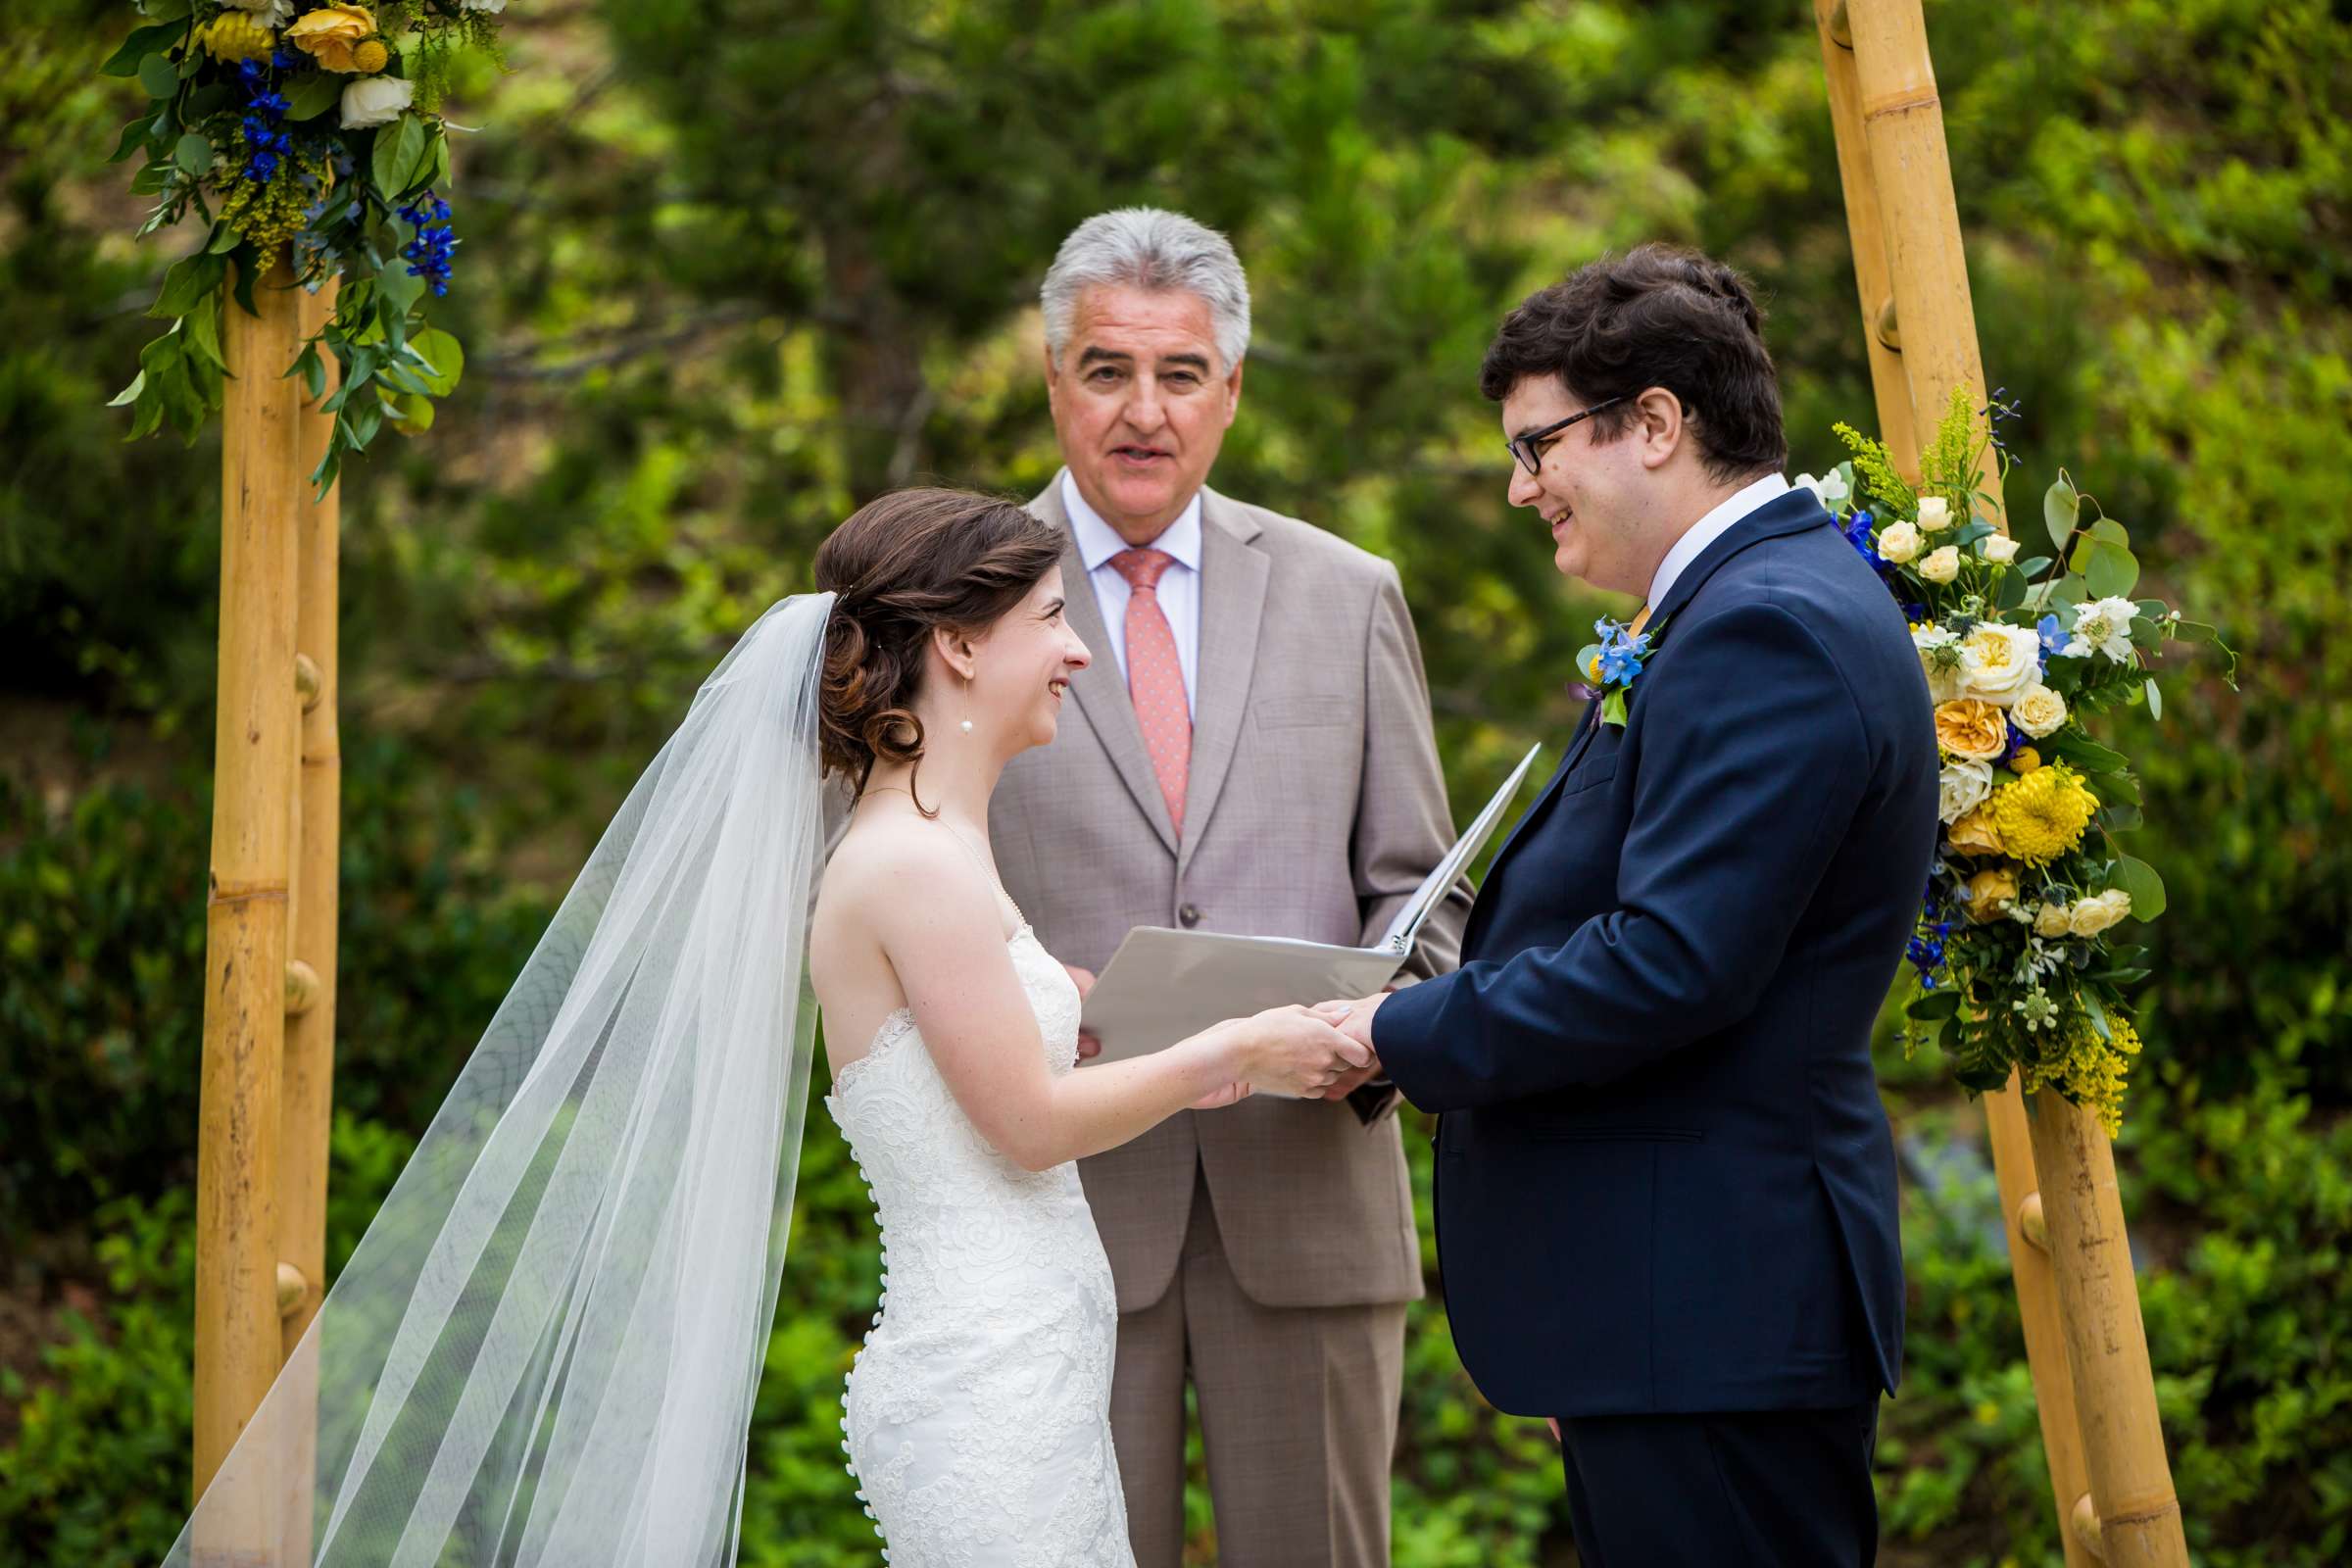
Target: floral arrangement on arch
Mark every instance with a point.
(309, 130)
(2016, 957)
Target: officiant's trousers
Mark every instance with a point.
(1297, 1417)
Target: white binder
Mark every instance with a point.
(1163, 985)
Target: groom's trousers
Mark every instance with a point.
(1777, 1489)
(1297, 1409)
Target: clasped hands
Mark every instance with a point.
(1351, 1018)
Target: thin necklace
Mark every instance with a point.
(987, 868)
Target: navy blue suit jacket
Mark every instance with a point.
(1665, 1182)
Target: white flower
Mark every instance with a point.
(1830, 489)
(2002, 662)
(1899, 543)
(2094, 915)
(1999, 549)
(375, 101)
(268, 13)
(1941, 565)
(1961, 788)
(2102, 627)
(2050, 920)
(493, 7)
(1942, 659)
(1934, 514)
(2037, 711)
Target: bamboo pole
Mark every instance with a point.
(1889, 383)
(237, 1323)
(2115, 1435)
(2134, 1515)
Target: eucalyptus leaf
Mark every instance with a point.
(2061, 506)
(2109, 531)
(142, 42)
(193, 153)
(2155, 701)
(2112, 572)
(445, 362)
(2139, 879)
(159, 76)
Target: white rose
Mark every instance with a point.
(1934, 514)
(2051, 920)
(1899, 543)
(1941, 565)
(2102, 627)
(2037, 711)
(2002, 662)
(375, 101)
(2095, 916)
(1961, 788)
(1999, 549)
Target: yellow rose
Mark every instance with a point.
(2095, 916)
(1972, 729)
(331, 34)
(1975, 834)
(1991, 893)
(2054, 920)
(2025, 761)
(2039, 710)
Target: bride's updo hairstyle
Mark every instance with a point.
(902, 565)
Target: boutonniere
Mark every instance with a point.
(1614, 663)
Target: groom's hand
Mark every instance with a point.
(1084, 980)
(1354, 1020)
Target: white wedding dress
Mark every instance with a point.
(977, 1416)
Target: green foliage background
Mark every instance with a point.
(732, 266)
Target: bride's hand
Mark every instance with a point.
(1294, 1051)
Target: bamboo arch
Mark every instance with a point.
(270, 917)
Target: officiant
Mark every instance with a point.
(1251, 750)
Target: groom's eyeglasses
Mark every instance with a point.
(1528, 449)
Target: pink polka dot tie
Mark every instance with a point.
(1154, 679)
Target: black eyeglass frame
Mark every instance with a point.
(1523, 449)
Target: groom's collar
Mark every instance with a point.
(1714, 525)
(1791, 512)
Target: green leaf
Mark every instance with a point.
(2155, 701)
(397, 290)
(224, 239)
(1933, 1007)
(312, 95)
(2033, 568)
(158, 77)
(130, 393)
(2061, 506)
(134, 137)
(193, 153)
(2112, 572)
(2087, 754)
(2195, 631)
(142, 42)
(399, 147)
(1613, 707)
(201, 327)
(412, 414)
(2011, 592)
(2120, 816)
(191, 279)
(2109, 531)
(2139, 879)
(444, 360)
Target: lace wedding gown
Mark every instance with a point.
(978, 1415)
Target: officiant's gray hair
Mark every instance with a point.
(1145, 247)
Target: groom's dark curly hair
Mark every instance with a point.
(1658, 316)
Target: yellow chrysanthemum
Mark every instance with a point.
(2043, 816)
(231, 37)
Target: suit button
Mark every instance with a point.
(1190, 914)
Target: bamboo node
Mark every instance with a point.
(1890, 333)
(2032, 1223)
(2089, 1533)
(245, 892)
(308, 682)
(291, 1289)
(303, 988)
(1842, 28)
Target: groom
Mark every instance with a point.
(1665, 1187)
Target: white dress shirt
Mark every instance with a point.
(1709, 528)
(1179, 587)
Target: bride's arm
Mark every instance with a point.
(940, 928)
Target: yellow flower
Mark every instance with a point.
(1991, 893)
(330, 35)
(1975, 834)
(2043, 816)
(2026, 760)
(2039, 710)
(232, 36)
(2092, 1070)
(370, 55)
(2053, 920)
(1972, 729)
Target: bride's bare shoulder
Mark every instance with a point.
(882, 861)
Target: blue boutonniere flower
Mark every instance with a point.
(1614, 663)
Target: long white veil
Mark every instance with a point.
(545, 1350)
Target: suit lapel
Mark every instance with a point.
(1233, 600)
(1588, 727)
(1101, 690)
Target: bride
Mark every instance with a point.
(545, 1349)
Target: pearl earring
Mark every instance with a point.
(967, 698)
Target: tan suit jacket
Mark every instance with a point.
(1313, 806)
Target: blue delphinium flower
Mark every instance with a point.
(265, 139)
(1857, 534)
(2053, 636)
(1620, 660)
(428, 253)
